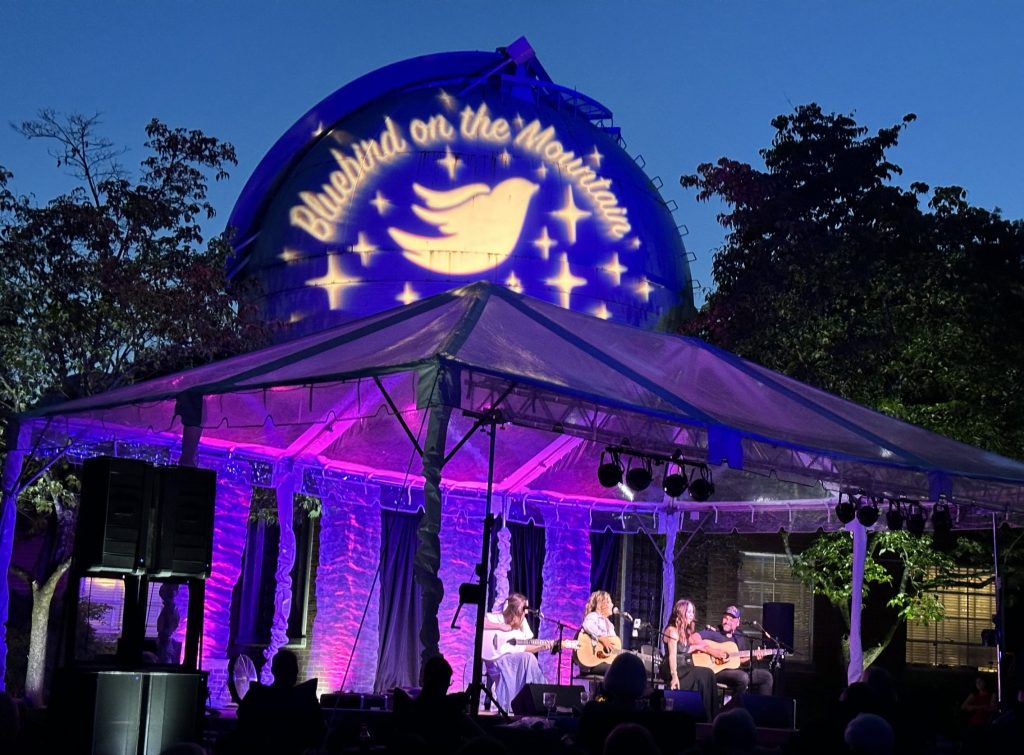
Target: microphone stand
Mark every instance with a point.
(562, 626)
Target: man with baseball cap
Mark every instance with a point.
(746, 678)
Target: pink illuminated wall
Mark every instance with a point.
(347, 592)
(566, 581)
(231, 513)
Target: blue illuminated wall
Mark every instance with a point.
(425, 185)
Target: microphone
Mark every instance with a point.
(751, 624)
(710, 628)
(625, 614)
(533, 612)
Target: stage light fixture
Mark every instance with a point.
(867, 512)
(609, 474)
(916, 518)
(942, 521)
(638, 478)
(674, 484)
(894, 516)
(845, 509)
(703, 487)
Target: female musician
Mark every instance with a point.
(598, 626)
(682, 640)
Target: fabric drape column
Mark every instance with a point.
(860, 550)
(668, 567)
(283, 575)
(428, 553)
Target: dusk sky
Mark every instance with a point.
(688, 82)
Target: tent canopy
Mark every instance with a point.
(349, 401)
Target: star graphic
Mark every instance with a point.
(290, 255)
(644, 289)
(602, 311)
(505, 158)
(544, 243)
(450, 162)
(634, 243)
(565, 281)
(519, 122)
(447, 100)
(296, 317)
(363, 248)
(615, 268)
(333, 281)
(513, 282)
(595, 157)
(408, 295)
(542, 171)
(382, 203)
(570, 214)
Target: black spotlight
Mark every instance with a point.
(916, 518)
(867, 512)
(845, 510)
(639, 478)
(674, 485)
(703, 487)
(609, 474)
(894, 516)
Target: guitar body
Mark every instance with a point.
(590, 653)
(498, 643)
(735, 659)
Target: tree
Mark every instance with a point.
(836, 277)
(102, 286)
(911, 564)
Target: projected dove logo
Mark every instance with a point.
(480, 226)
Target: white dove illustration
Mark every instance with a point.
(481, 226)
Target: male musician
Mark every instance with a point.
(516, 665)
(598, 626)
(757, 680)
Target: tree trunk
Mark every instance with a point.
(41, 599)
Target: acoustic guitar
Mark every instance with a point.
(734, 658)
(498, 643)
(590, 653)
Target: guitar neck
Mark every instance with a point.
(543, 643)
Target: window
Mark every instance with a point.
(956, 640)
(767, 578)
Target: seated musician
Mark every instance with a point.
(682, 641)
(747, 678)
(516, 664)
(598, 627)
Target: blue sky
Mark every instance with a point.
(688, 81)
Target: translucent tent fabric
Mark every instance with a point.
(567, 385)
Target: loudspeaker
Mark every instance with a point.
(530, 700)
(184, 533)
(771, 712)
(777, 619)
(118, 496)
(687, 701)
(126, 712)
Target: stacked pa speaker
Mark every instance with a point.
(136, 518)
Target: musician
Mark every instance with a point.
(681, 641)
(756, 680)
(597, 625)
(514, 669)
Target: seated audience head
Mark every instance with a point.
(285, 668)
(881, 681)
(734, 731)
(630, 739)
(868, 734)
(437, 674)
(860, 698)
(626, 679)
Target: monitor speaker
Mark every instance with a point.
(184, 535)
(530, 700)
(777, 619)
(114, 517)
